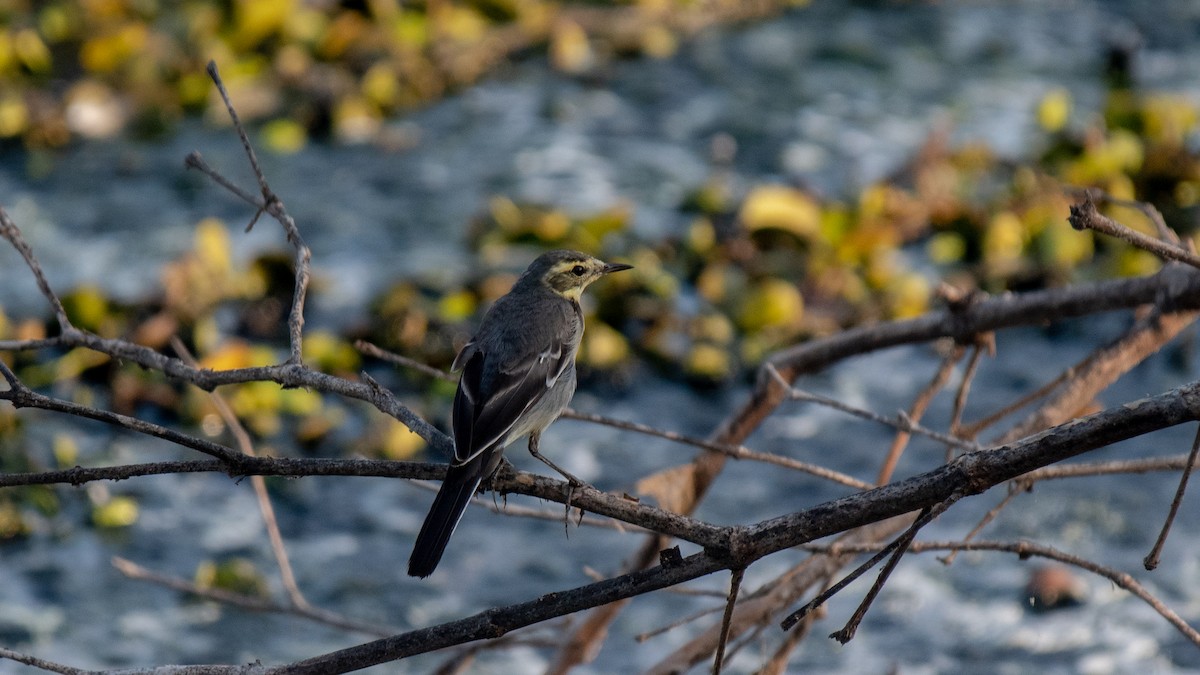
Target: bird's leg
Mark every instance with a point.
(534, 438)
(572, 481)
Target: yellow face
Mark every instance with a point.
(569, 277)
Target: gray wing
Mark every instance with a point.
(495, 391)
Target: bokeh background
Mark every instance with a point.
(775, 172)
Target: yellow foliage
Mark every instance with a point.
(66, 450)
(1187, 193)
(32, 51)
(107, 52)
(411, 29)
(783, 208)
(355, 120)
(236, 575)
(603, 346)
(256, 20)
(212, 245)
(771, 303)
(1062, 246)
(708, 361)
(1054, 109)
(14, 116)
(658, 41)
(701, 236)
(380, 85)
(116, 513)
(1169, 119)
(457, 306)
(285, 136)
(399, 442)
(570, 50)
(908, 295)
(87, 307)
(329, 352)
(460, 23)
(237, 353)
(1004, 238)
(946, 247)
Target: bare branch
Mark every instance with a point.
(41, 664)
(1085, 217)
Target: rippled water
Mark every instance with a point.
(832, 96)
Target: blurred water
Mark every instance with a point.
(832, 96)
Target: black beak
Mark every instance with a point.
(609, 268)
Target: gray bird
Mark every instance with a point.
(518, 375)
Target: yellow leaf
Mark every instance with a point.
(399, 442)
(603, 346)
(570, 50)
(457, 306)
(212, 245)
(773, 302)
(116, 513)
(783, 208)
(284, 136)
(708, 361)
(1054, 109)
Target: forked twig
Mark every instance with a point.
(895, 548)
(270, 203)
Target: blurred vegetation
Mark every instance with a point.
(746, 271)
(303, 68)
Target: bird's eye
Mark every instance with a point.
(578, 270)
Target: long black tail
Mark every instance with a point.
(447, 510)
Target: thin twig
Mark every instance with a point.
(735, 451)
(964, 387)
(1015, 488)
(972, 429)
(898, 545)
(917, 411)
(286, 575)
(10, 231)
(247, 602)
(21, 396)
(900, 422)
(1151, 560)
(682, 621)
(735, 584)
(1026, 549)
(847, 632)
(380, 353)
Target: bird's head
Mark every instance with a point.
(567, 273)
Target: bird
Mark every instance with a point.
(518, 375)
